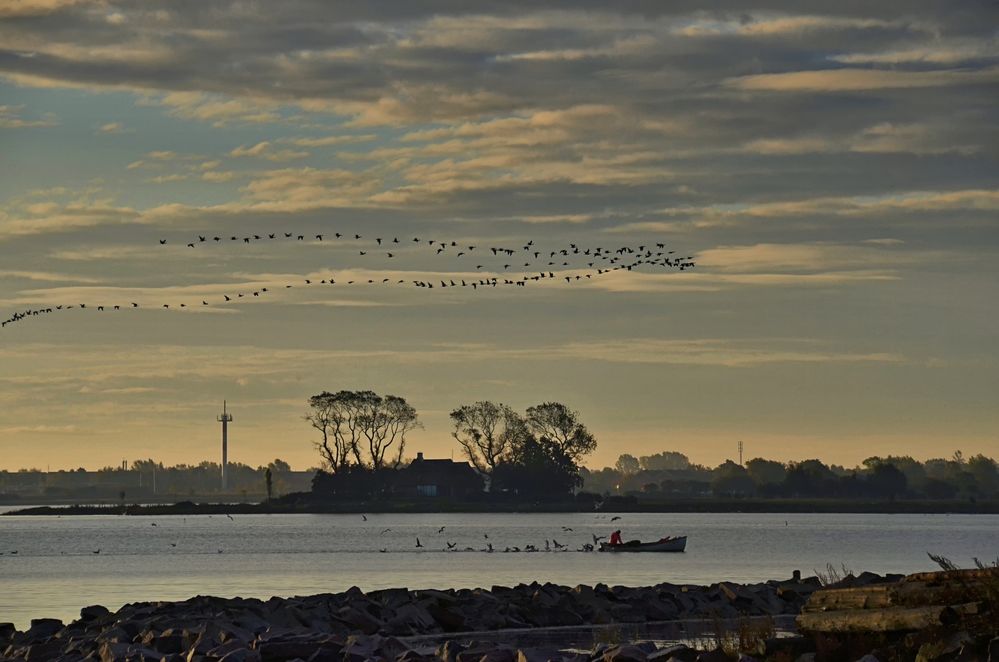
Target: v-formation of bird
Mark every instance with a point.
(539, 266)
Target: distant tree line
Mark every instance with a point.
(671, 474)
(148, 478)
(362, 445)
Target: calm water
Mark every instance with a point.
(55, 570)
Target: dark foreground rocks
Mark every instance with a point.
(497, 625)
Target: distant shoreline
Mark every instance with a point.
(828, 506)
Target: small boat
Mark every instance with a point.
(677, 544)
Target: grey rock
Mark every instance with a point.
(43, 651)
(717, 655)
(93, 612)
(42, 628)
(677, 652)
(241, 655)
(285, 650)
(625, 653)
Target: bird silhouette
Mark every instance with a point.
(418, 543)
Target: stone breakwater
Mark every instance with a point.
(391, 624)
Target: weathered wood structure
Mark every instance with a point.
(965, 599)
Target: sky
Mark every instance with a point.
(831, 167)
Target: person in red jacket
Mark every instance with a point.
(615, 538)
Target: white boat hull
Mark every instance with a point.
(671, 545)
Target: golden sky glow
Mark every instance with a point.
(831, 169)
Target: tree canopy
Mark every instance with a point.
(487, 433)
(560, 425)
(361, 428)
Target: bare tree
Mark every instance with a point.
(559, 424)
(384, 424)
(361, 427)
(488, 432)
(326, 415)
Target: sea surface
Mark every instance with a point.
(64, 563)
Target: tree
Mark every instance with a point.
(268, 483)
(809, 478)
(385, 423)
(731, 479)
(665, 461)
(887, 480)
(766, 472)
(985, 473)
(539, 468)
(488, 432)
(279, 466)
(559, 424)
(627, 464)
(338, 437)
(361, 427)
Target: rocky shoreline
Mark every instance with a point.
(409, 625)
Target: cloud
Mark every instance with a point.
(942, 51)
(10, 118)
(220, 175)
(264, 150)
(219, 111)
(855, 80)
(46, 276)
(40, 429)
(113, 128)
(329, 141)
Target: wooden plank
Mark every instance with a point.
(954, 575)
(838, 599)
(894, 619)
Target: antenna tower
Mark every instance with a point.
(740, 453)
(225, 418)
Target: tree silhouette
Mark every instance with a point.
(487, 433)
(561, 425)
(361, 427)
(627, 464)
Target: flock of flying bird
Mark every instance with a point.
(571, 263)
(551, 545)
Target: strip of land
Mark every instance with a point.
(457, 506)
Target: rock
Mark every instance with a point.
(993, 650)
(274, 651)
(868, 658)
(327, 653)
(43, 652)
(7, 632)
(228, 647)
(625, 653)
(358, 620)
(448, 620)
(498, 655)
(789, 648)
(413, 656)
(717, 655)
(42, 628)
(93, 612)
(678, 652)
(805, 657)
(241, 655)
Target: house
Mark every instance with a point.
(438, 478)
